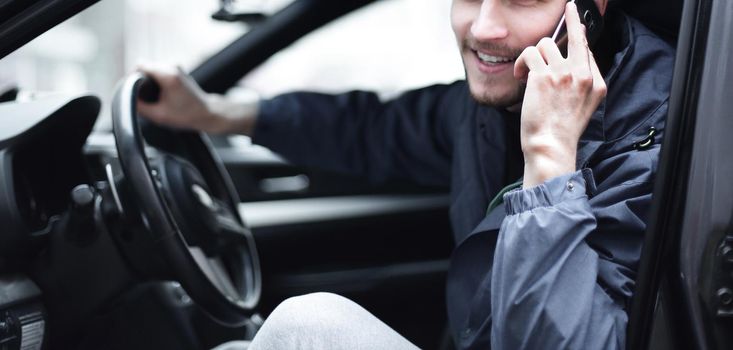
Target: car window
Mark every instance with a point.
(111, 39)
(387, 47)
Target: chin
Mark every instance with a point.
(496, 95)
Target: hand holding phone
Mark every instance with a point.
(561, 94)
(591, 18)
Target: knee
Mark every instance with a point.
(298, 320)
(310, 307)
(312, 300)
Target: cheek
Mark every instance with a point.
(461, 17)
(532, 26)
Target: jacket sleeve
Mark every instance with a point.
(409, 137)
(565, 261)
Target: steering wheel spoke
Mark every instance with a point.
(214, 269)
(229, 225)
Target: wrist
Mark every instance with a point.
(542, 163)
(229, 117)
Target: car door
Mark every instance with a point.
(684, 297)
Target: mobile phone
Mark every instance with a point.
(590, 16)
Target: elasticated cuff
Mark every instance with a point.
(558, 189)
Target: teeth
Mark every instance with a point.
(493, 59)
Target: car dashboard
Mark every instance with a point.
(41, 161)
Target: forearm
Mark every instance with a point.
(232, 117)
(357, 133)
(545, 291)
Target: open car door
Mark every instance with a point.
(684, 290)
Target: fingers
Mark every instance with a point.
(577, 44)
(162, 76)
(550, 51)
(538, 57)
(547, 52)
(167, 78)
(169, 82)
(152, 111)
(530, 60)
(599, 85)
(189, 82)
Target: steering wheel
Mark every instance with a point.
(188, 207)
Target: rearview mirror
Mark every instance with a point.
(249, 12)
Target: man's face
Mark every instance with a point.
(491, 34)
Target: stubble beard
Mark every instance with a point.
(487, 97)
(486, 94)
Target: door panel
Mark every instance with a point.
(385, 247)
(393, 264)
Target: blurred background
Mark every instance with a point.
(388, 47)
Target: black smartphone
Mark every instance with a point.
(590, 16)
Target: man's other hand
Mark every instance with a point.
(183, 104)
(561, 95)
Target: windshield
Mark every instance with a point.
(381, 48)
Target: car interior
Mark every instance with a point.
(152, 238)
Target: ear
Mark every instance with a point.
(602, 4)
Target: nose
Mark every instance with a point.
(490, 23)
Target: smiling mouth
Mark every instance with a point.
(493, 60)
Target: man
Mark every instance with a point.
(548, 262)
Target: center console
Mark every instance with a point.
(22, 317)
